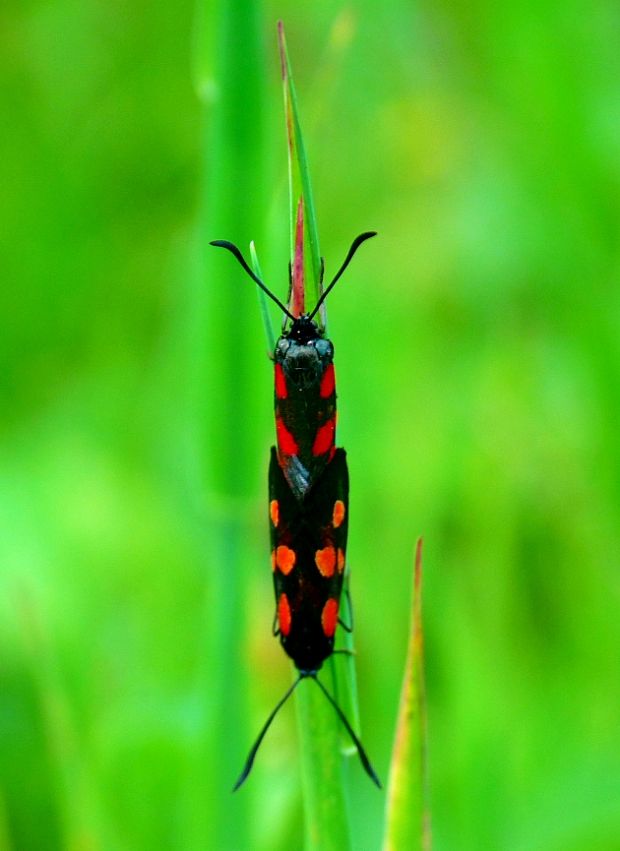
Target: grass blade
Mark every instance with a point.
(408, 824)
(327, 827)
(227, 353)
(302, 213)
(262, 302)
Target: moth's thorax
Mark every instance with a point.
(305, 403)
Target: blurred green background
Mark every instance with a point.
(477, 348)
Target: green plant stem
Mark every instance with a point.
(327, 827)
(229, 78)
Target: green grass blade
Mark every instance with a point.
(408, 823)
(327, 827)
(300, 187)
(262, 301)
(227, 352)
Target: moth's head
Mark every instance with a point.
(304, 353)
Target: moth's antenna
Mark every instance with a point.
(223, 243)
(251, 756)
(254, 750)
(362, 753)
(355, 245)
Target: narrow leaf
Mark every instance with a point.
(223, 389)
(327, 827)
(262, 302)
(407, 820)
(300, 188)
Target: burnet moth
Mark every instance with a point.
(308, 498)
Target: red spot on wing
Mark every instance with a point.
(285, 559)
(328, 382)
(329, 617)
(340, 560)
(281, 388)
(284, 614)
(325, 560)
(286, 442)
(338, 513)
(324, 439)
(274, 511)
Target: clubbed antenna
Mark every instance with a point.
(355, 245)
(251, 756)
(304, 675)
(223, 243)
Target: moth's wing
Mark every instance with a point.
(328, 505)
(308, 555)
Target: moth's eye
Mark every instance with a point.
(324, 348)
(283, 346)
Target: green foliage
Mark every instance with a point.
(407, 814)
(477, 358)
(300, 186)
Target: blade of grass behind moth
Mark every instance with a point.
(327, 826)
(407, 816)
(300, 187)
(262, 302)
(227, 353)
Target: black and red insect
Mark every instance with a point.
(308, 498)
